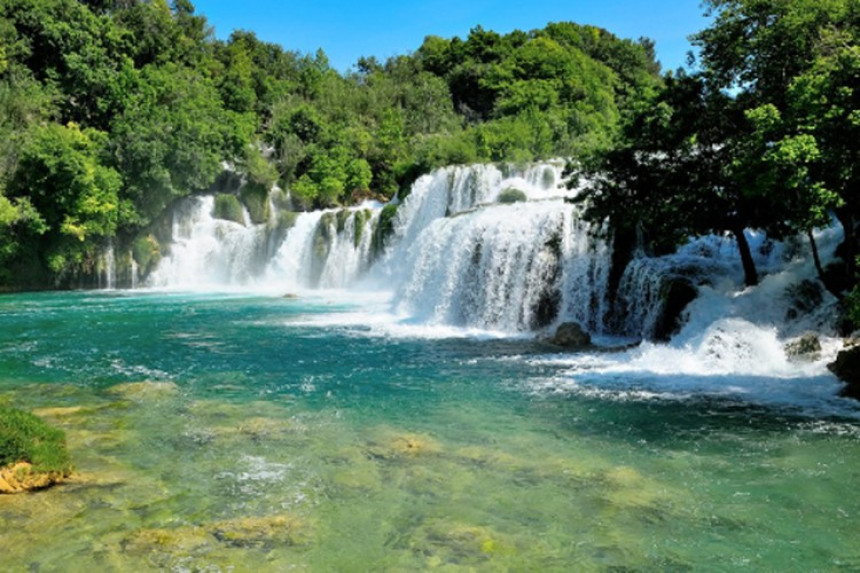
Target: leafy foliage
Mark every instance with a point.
(111, 111)
(763, 136)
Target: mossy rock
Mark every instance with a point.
(228, 208)
(286, 220)
(262, 532)
(146, 251)
(392, 445)
(384, 228)
(548, 178)
(33, 455)
(323, 235)
(145, 391)
(159, 542)
(512, 195)
(256, 199)
(246, 532)
(280, 199)
(450, 543)
(342, 217)
(361, 219)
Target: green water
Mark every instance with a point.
(247, 433)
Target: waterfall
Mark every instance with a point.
(456, 254)
(484, 247)
(324, 249)
(107, 268)
(505, 267)
(134, 271)
(208, 252)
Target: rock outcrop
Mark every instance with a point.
(571, 335)
(847, 368)
(805, 347)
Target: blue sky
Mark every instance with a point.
(347, 30)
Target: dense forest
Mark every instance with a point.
(111, 110)
(114, 109)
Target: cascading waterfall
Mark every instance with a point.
(506, 267)
(460, 257)
(460, 254)
(209, 252)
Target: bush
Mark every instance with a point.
(361, 218)
(26, 438)
(512, 195)
(384, 228)
(229, 208)
(256, 200)
(146, 252)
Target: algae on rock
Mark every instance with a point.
(33, 455)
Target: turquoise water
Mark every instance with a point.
(240, 432)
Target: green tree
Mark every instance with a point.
(61, 176)
(796, 61)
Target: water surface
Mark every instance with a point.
(239, 432)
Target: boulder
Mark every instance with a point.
(261, 532)
(512, 195)
(847, 368)
(571, 335)
(677, 292)
(144, 391)
(807, 346)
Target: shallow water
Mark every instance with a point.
(317, 434)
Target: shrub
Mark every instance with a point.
(512, 195)
(256, 200)
(229, 208)
(384, 228)
(147, 252)
(26, 438)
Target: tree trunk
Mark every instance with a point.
(828, 284)
(750, 274)
(815, 258)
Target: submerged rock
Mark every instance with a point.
(393, 446)
(445, 543)
(142, 391)
(847, 368)
(807, 346)
(244, 532)
(571, 335)
(282, 529)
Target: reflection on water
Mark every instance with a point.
(217, 434)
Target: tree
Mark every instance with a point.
(674, 171)
(60, 175)
(763, 136)
(795, 64)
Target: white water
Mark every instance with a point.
(459, 263)
(207, 252)
(107, 268)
